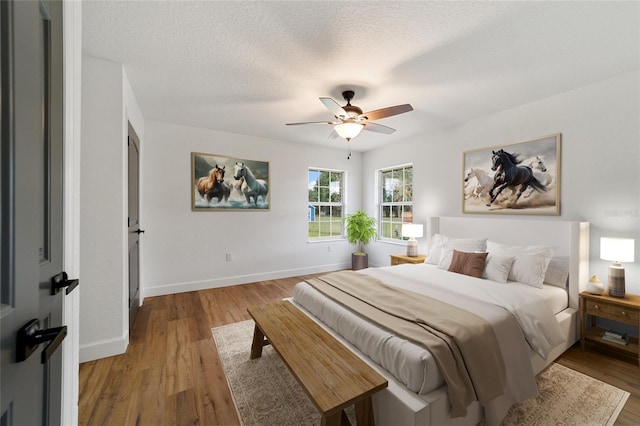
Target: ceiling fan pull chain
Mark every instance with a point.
(348, 150)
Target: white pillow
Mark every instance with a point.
(467, 245)
(530, 263)
(445, 259)
(435, 252)
(497, 267)
(557, 272)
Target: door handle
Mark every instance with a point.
(30, 336)
(61, 281)
(139, 231)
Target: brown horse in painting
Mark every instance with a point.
(213, 186)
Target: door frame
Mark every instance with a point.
(72, 57)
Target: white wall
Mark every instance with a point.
(132, 111)
(600, 158)
(186, 250)
(107, 104)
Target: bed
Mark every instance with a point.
(533, 322)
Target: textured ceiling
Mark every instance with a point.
(251, 67)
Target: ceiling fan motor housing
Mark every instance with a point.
(352, 110)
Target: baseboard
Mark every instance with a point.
(235, 280)
(103, 348)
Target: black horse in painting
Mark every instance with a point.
(510, 174)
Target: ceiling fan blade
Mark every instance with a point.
(387, 112)
(314, 122)
(335, 108)
(378, 128)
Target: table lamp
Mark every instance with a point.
(617, 250)
(413, 231)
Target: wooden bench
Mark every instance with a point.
(331, 375)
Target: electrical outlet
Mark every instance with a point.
(229, 258)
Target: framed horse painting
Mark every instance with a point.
(225, 183)
(515, 178)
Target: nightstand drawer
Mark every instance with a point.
(623, 314)
(597, 308)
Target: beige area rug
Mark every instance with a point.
(266, 393)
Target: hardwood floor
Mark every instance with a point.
(171, 372)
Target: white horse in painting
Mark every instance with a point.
(539, 172)
(235, 185)
(252, 187)
(484, 182)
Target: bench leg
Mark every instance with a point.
(257, 344)
(364, 412)
(344, 420)
(337, 419)
(364, 415)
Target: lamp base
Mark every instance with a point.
(412, 248)
(615, 280)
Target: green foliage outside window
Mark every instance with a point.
(396, 195)
(326, 188)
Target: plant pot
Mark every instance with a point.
(359, 261)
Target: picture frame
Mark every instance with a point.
(225, 183)
(527, 182)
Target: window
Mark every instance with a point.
(326, 201)
(396, 200)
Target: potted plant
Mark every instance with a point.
(360, 230)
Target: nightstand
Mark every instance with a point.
(625, 310)
(398, 259)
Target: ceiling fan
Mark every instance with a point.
(351, 120)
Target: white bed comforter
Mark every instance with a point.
(535, 317)
(526, 320)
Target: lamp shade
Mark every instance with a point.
(412, 230)
(617, 249)
(349, 130)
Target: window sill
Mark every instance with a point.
(402, 243)
(326, 240)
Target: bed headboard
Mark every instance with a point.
(570, 239)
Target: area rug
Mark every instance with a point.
(266, 393)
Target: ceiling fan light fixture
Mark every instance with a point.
(349, 130)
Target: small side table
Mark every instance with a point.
(625, 310)
(398, 259)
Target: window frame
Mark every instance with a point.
(382, 223)
(331, 204)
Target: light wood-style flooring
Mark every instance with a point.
(171, 373)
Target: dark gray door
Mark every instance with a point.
(134, 224)
(31, 209)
